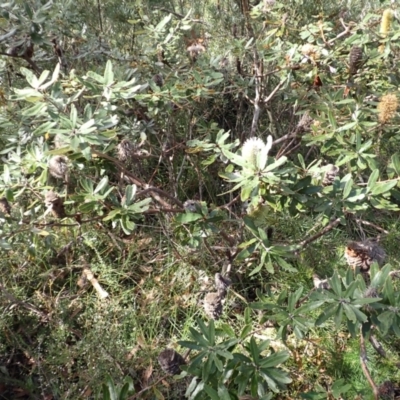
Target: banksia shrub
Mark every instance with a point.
(5, 206)
(387, 108)
(213, 305)
(170, 361)
(355, 59)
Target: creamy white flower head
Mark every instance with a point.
(255, 151)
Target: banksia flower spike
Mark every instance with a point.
(253, 147)
(54, 204)
(386, 22)
(355, 59)
(170, 361)
(58, 167)
(213, 305)
(5, 207)
(387, 108)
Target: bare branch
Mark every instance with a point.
(328, 228)
(363, 360)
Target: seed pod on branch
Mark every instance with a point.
(222, 284)
(5, 207)
(170, 361)
(363, 254)
(213, 305)
(355, 59)
(331, 173)
(158, 80)
(58, 167)
(55, 204)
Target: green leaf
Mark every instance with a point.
(188, 218)
(383, 187)
(347, 188)
(223, 392)
(396, 163)
(101, 185)
(211, 392)
(108, 74)
(274, 359)
(372, 179)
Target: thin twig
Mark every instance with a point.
(328, 228)
(378, 228)
(363, 360)
(377, 346)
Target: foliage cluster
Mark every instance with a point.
(147, 146)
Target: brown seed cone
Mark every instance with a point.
(363, 254)
(222, 283)
(5, 207)
(355, 59)
(125, 151)
(386, 391)
(331, 173)
(55, 204)
(58, 167)
(213, 305)
(170, 361)
(158, 80)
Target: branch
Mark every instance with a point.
(363, 360)
(377, 346)
(328, 228)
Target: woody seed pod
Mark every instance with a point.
(363, 254)
(58, 167)
(222, 284)
(158, 80)
(125, 151)
(5, 206)
(55, 204)
(170, 361)
(331, 173)
(355, 59)
(213, 305)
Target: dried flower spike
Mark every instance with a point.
(170, 361)
(5, 207)
(58, 167)
(331, 173)
(355, 59)
(363, 254)
(387, 108)
(213, 305)
(54, 204)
